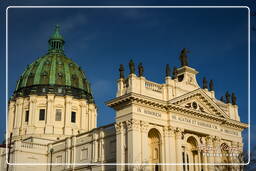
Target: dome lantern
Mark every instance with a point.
(56, 41)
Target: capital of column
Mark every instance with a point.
(209, 140)
(216, 141)
(179, 133)
(144, 126)
(119, 127)
(133, 124)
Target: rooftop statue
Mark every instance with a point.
(131, 66)
(184, 57)
(222, 98)
(233, 98)
(211, 85)
(121, 71)
(141, 69)
(167, 70)
(205, 85)
(174, 73)
(227, 97)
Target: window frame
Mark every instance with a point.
(40, 115)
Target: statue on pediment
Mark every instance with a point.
(233, 98)
(141, 69)
(184, 57)
(132, 67)
(167, 70)
(121, 71)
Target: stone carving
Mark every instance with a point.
(205, 84)
(233, 98)
(167, 70)
(133, 124)
(211, 85)
(179, 133)
(141, 69)
(174, 73)
(121, 71)
(144, 126)
(184, 57)
(227, 97)
(131, 66)
(119, 127)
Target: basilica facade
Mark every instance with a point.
(173, 126)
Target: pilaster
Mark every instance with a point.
(120, 153)
(210, 157)
(178, 140)
(134, 141)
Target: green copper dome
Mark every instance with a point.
(54, 73)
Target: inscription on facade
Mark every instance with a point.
(203, 124)
(194, 122)
(148, 112)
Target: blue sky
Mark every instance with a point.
(101, 39)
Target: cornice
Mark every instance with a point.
(161, 104)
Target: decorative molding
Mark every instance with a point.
(144, 126)
(133, 124)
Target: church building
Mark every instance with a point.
(173, 126)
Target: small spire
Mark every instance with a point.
(167, 70)
(56, 41)
(205, 85)
(211, 85)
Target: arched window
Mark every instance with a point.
(154, 146)
(192, 153)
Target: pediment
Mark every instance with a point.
(198, 100)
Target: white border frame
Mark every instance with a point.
(133, 164)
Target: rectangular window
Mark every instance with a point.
(27, 116)
(58, 115)
(41, 114)
(84, 154)
(73, 117)
(59, 159)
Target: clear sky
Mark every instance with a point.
(99, 40)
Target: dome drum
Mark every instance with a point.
(58, 90)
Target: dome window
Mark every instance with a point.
(59, 90)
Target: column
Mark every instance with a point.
(67, 127)
(199, 160)
(120, 145)
(50, 114)
(178, 140)
(67, 152)
(144, 142)
(32, 114)
(83, 115)
(73, 151)
(167, 149)
(172, 151)
(217, 150)
(18, 116)
(210, 158)
(134, 141)
(101, 148)
(95, 147)
(11, 117)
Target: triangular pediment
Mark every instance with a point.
(198, 100)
